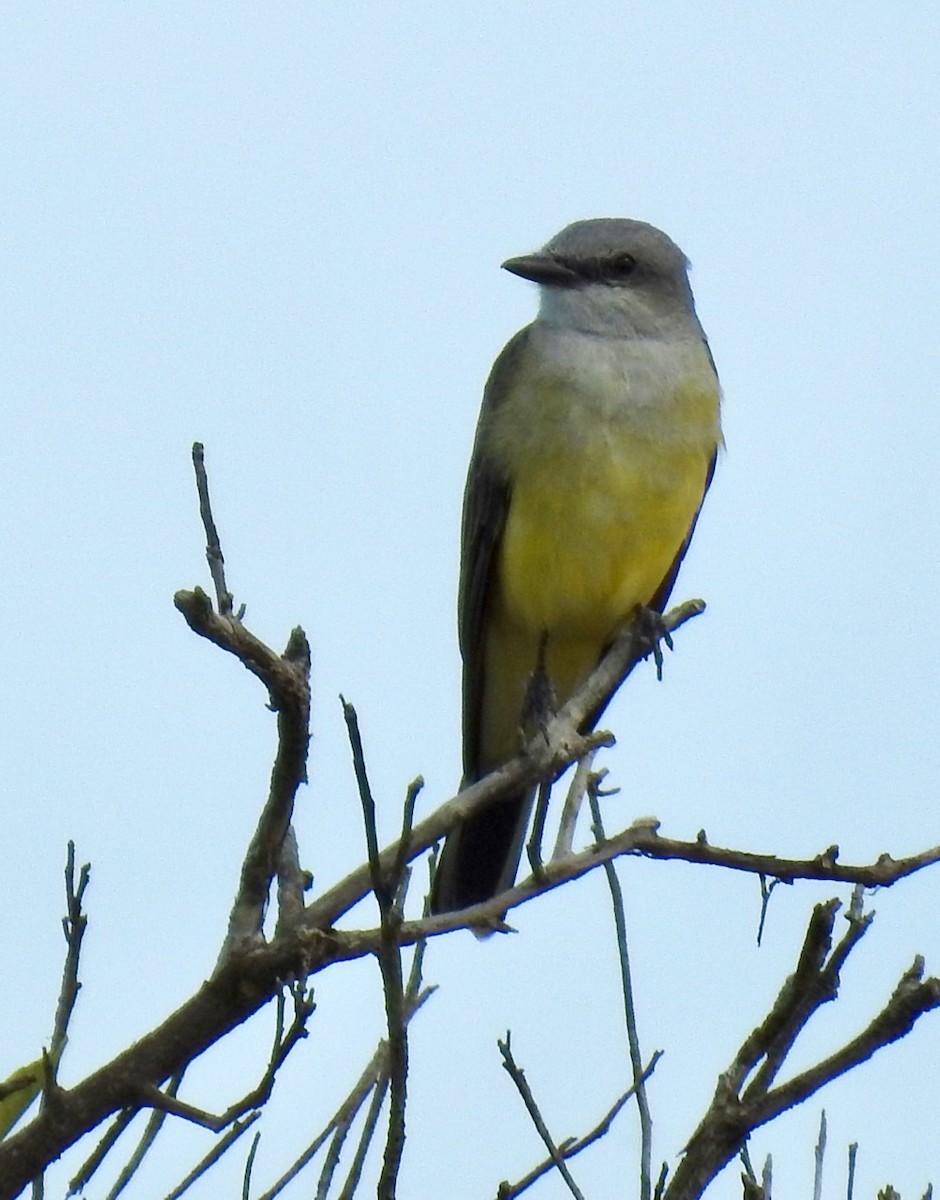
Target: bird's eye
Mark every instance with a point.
(621, 265)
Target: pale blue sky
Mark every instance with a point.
(278, 229)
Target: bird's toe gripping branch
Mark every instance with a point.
(652, 633)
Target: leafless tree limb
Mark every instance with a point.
(577, 790)
(388, 891)
(223, 596)
(148, 1138)
(287, 678)
(373, 1075)
(251, 970)
(819, 1157)
(745, 1097)
(74, 924)
(221, 1148)
(626, 983)
(517, 1075)
(250, 977)
(570, 1147)
(102, 1149)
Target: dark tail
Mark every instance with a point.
(480, 857)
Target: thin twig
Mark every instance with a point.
(749, 1175)
(74, 925)
(369, 1126)
(407, 824)
(346, 1113)
(571, 809)
(534, 844)
(745, 1099)
(766, 891)
(223, 596)
(388, 896)
(218, 1150)
(292, 883)
(517, 1075)
(767, 1177)
(629, 1004)
(819, 1157)
(151, 1129)
(570, 1147)
(249, 1166)
(413, 993)
(103, 1148)
(287, 678)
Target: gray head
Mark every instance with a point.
(613, 276)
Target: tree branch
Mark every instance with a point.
(570, 1147)
(739, 1107)
(517, 1075)
(250, 972)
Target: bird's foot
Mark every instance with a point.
(651, 634)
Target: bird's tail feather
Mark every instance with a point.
(481, 856)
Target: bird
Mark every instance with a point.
(596, 443)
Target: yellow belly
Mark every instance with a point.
(585, 543)
(592, 531)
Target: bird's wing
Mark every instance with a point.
(659, 601)
(485, 505)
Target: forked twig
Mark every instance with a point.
(746, 1097)
(517, 1075)
(570, 1147)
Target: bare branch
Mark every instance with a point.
(248, 979)
(573, 1146)
(74, 925)
(249, 1166)
(216, 562)
(626, 983)
(545, 756)
(819, 1157)
(739, 1107)
(522, 1086)
(571, 809)
(287, 678)
(641, 838)
(387, 889)
(250, 971)
(369, 1126)
(105, 1145)
(218, 1150)
(147, 1139)
(373, 1075)
(766, 891)
(534, 844)
(292, 884)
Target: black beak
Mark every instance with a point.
(542, 268)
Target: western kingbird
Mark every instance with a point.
(596, 444)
